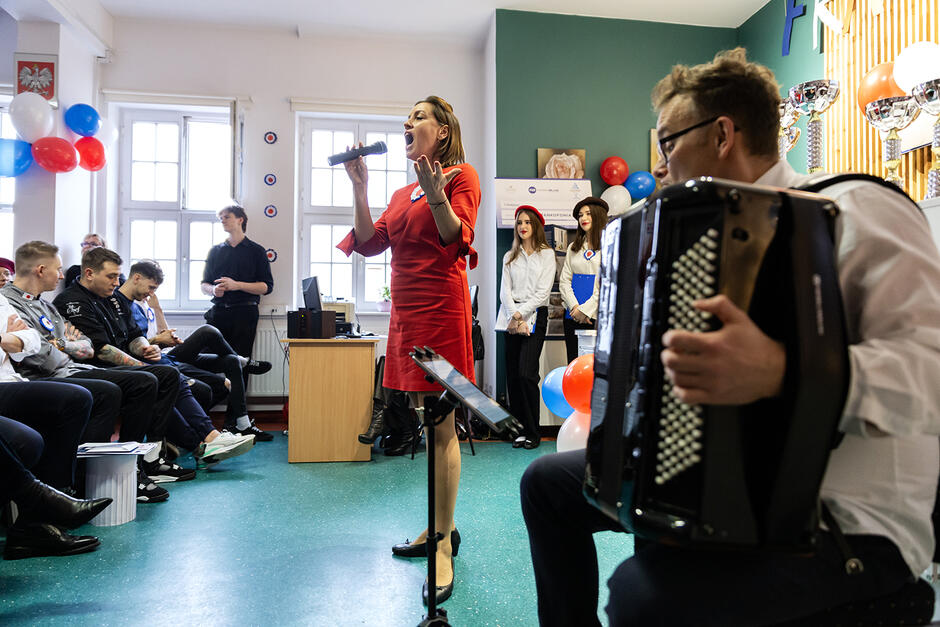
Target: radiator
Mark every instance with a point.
(267, 348)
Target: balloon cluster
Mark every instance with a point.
(566, 392)
(33, 121)
(625, 187)
(916, 64)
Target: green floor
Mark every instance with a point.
(260, 541)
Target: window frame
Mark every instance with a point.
(7, 209)
(176, 211)
(360, 125)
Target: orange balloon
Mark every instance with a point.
(578, 382)
(877, 84)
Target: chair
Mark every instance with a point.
(913, 604)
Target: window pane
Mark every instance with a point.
(322, 272)
(143, 135)
(339, 232)
(396, 180)
(167, 290)
(200, 236)
(7, 190)
(6, 235)
(342, 282)
(342, 189)
(396, 152)
(321, 187)
(377, 189)
(375, 162)
(141, 239)
(142, 181)
(341, 141)
(209, 176)
(375, 281)
(320, 239)
(321, 147)
(195, 280)
(167, 142)
(218, 234)
(165, 179)
(164, 245)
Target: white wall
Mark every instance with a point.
(272, 66)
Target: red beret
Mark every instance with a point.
(533, 210)
(6, 263)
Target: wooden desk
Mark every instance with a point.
(331, 386)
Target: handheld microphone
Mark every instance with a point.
(377, 148)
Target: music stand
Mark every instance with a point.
(458, 390)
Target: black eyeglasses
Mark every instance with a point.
(664, 152)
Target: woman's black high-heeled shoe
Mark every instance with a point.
(443, 592)
(421, 550)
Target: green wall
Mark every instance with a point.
(566, 81)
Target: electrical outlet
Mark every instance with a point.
(276, 309)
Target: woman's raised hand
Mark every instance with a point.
(433, 180)
(356, 170)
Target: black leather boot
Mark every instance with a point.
(40, 503)
(377, 426)
(42, 539)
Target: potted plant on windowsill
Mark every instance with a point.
(386, 303)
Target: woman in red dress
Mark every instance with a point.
(429, 227)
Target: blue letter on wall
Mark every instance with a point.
(793, 12)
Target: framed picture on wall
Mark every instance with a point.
(561, 163)
(37, 73)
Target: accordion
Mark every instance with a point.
(743, 476)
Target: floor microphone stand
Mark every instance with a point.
(435, 410)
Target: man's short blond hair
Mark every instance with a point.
(31, 253)
(730, 85)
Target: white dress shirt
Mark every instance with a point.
(31, 343)
(584, 261)
(526, 285)
(882, 478)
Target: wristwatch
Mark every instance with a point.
(59, 343)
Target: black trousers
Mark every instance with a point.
(20, 449)
(571, 340)
(207, 349)
(238, 326)
(136, 398)
(59, 412)
(188, 424)
(522, 374)
(663, 585)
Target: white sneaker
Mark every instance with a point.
(226, 445)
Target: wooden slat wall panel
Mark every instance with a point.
(851, 142)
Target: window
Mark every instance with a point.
(7, 193)
(176, 173)
(327, 199)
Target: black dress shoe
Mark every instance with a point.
(421, 550)
(531, 444)
(518, 442)
(443, 592)
(42, 539)
(39, 502)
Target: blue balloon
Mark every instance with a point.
(640, 184)
(552, 394)
(82, 120)
(15, 157)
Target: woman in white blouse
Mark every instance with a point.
(528, 274)
(578, 282)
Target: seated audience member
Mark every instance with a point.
(721, 119)
(43, 513)
(7, 270)
(204, 350)
(93, 306)
(58, 411)
(92, 240)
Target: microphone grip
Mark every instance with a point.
(372, 149)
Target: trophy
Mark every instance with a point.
(927, 97)
(812, 98)
(890, 115)
(789, 134)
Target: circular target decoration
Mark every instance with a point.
(271, 255)
(270, 179)
(270, 137)
(270, 211)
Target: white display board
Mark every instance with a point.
(931, 209)
(554, 198)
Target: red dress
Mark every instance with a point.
(430, 297)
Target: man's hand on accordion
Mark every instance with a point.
(735, 365)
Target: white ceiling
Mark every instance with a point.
(467, 20)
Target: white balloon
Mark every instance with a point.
(617, 198)
(574, 432)
(31, 116)
(107, 134)
(916, 64)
